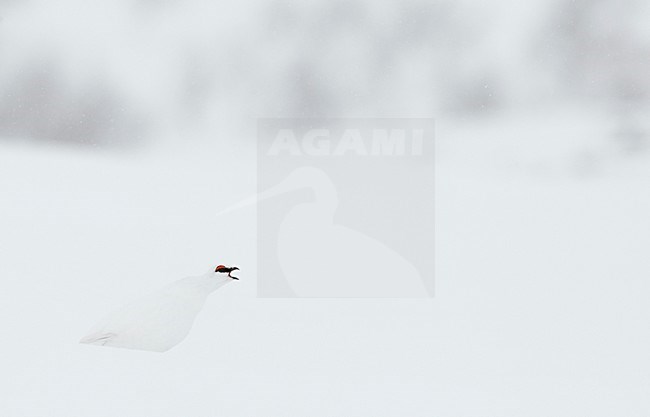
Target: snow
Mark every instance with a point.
(541, 298)
(540, 304)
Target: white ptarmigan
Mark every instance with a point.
(161, 320)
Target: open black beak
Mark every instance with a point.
(234, 268)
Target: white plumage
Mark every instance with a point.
(159, 321)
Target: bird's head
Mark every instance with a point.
(226, 269)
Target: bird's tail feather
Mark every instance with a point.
(98, 338)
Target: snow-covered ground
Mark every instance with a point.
(125, 128)
(541, 287)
